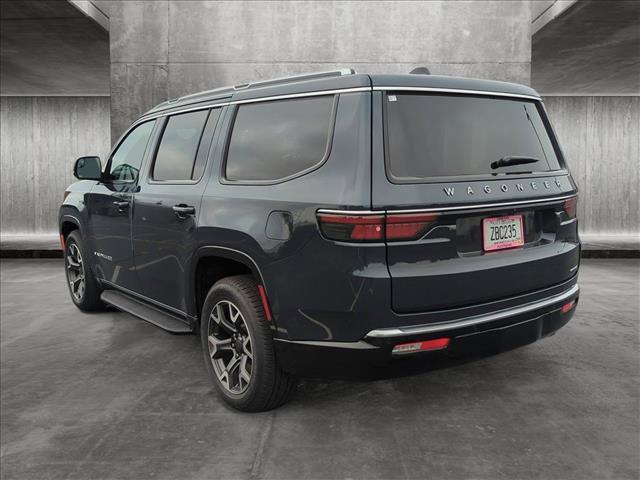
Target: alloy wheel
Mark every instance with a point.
(75, 272)
(230, 347)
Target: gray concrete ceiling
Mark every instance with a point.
(593, 48)
(51, 48)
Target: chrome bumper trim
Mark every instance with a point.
(476, 320)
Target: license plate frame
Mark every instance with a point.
(489, 245)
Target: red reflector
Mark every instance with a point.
(570, 206)
(408, 226)
(64, 247)
(265, 303)
(568, 306)
(427, 345)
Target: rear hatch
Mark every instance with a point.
(479, 205)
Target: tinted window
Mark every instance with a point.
(440, 135)
(176, 154)
(274, 140)
(127, 159)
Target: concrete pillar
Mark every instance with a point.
(165, 49)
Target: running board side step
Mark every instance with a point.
(148, 313)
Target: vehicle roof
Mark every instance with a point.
(339, 80)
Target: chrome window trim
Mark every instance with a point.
(474, 206)
(456, 90)
(471, 321)
(253, 100)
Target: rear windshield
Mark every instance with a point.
(452, 135)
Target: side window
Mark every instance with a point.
(176, 155)
(127, 159)
(277, 139)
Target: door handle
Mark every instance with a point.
(183, 210)
(121, 204)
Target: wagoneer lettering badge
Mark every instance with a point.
(504, 188)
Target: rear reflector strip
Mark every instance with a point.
(64, 247)
(570, 206)
(425, 346)
(265, 303)
(567, 307)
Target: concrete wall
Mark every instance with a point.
(40, 137)
(165, 49)
(601, 139)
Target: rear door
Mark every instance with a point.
(479, 204)
(167, 204)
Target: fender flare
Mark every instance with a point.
(224, 252)
(68, 218)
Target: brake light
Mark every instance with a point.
(407, 226)
(349, 228)
(570, 206)
(374, 227)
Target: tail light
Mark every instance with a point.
(408, 227)
(570, 205)
(352, 228)
(375, 227)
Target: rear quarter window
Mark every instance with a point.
(277, 140)
(430, 136)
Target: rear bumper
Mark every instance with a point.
(489, 333)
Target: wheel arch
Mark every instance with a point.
(69, 223)
(214, 263)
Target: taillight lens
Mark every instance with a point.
(375, 227)
(408, 226)
(352, 228)
(570, 206)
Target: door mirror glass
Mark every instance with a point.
(88, 168)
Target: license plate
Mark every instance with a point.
(502, 232)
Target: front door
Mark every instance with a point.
(109, 207)
(167, 204)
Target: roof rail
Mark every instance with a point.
(296, 78)
(261, 83)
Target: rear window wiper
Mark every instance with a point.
(512, 160)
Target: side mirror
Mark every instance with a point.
(88, 168)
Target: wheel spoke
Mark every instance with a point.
(246, 347)
(217, 346)
(233, 364)
(72, 263)
(245, 375)
(219, 317)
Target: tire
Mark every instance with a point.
(83, 286)
(238, 350)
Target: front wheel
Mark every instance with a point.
(238, 347)
(83, 286)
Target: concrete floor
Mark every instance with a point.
(109, 396)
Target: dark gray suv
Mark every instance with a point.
(319, 222)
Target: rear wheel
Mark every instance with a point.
(238, 347)
(83, 286)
